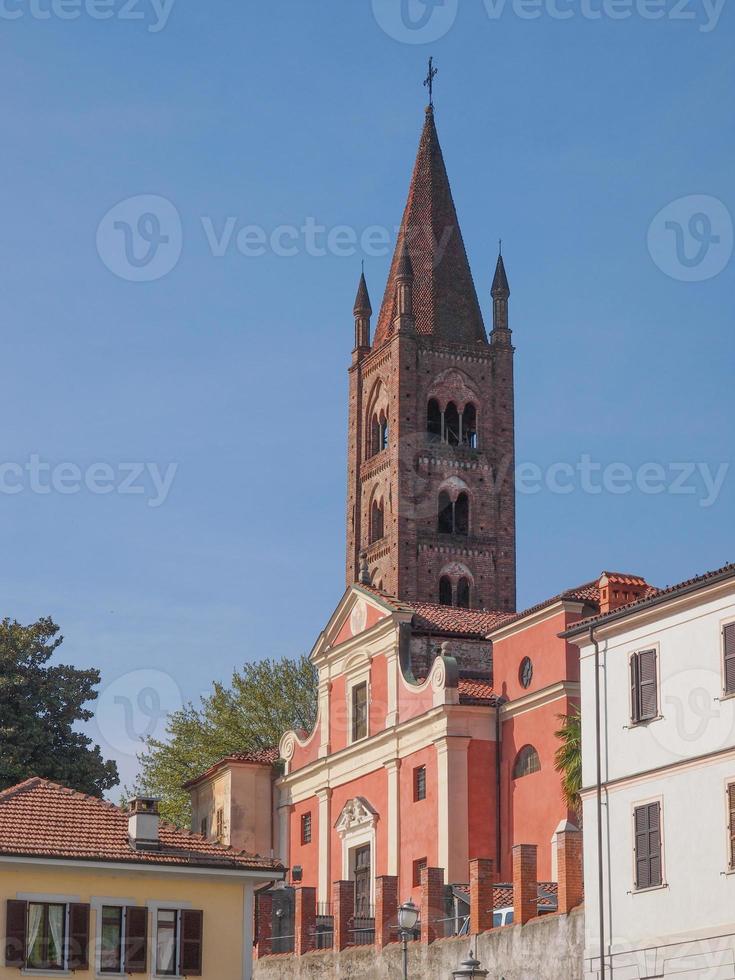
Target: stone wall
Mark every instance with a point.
(549, 948)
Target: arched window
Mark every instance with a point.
(527, 762)
(376, 522)
(374, 444)
(462, 515)
(445, 590)
(451, 424)
(453, 516)
(383, 440)
(469, 426)
(434, 419)
(446, 513)
(463, 593)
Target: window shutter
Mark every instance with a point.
(731, 809)
(78, 937)
(649, 869)
(729, 651)
(648, 685)
(136, 939)
(190, 951)
(15, 933)
(635, 711)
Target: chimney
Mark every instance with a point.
(617, 590)
(143, 823)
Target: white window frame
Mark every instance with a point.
(49, 899)
(725, 695)
(154, 908)
(96, 904)
(662, 823)
(359, 677)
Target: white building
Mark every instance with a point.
(666, 673)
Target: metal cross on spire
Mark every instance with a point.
(429, 81)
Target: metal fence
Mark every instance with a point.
(363, 930)
(324, 931)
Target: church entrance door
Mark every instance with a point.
(362, 881)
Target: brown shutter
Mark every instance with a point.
(15, 933)
(190, 942)
(78, 937)
(731, 809)
(649, 870)
(136, 939)
(728, 635)
(648, 685)
(634, 691)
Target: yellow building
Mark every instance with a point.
(90, 890)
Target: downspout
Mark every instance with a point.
(498, 783)
(598, 747)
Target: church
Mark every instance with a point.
(438, 702)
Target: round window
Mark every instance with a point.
(525, 672)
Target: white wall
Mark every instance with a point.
(684, 758)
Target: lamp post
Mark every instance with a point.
(470, 970)
(408, 916)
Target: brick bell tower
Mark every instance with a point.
(431, 449)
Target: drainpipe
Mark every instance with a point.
(498, 758)
(598, 727)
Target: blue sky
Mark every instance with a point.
(565, 137)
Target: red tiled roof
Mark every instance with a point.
(39, 818)
(445, 301)
(654, 596)
(431, 617)
(264, 757)
(472, 691)
(548, 892)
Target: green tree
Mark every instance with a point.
(568, 759)
(263, 701)
(39, 706)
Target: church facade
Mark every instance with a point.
(438, 703)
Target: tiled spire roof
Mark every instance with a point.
(445, 301)
(362, 300)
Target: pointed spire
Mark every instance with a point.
(501, 289)
(405, 266)
(362, 311)
(445, 301)
(362, 300)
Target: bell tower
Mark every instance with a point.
(431, 448)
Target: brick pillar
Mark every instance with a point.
(432, 903)
(525, 883)
(569, 864)
(305, 938)
(482, 878)
(343, 909)
(264, 923)
(386, 910)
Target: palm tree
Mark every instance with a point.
(568, 759)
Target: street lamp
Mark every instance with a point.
(470, 970)
(408, 916)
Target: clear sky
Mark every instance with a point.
(568, 126)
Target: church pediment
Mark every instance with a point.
(358, 611)
(357, 814)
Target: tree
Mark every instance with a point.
(568, 759)
(39, 707)
(263, 701)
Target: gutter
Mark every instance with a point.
(498, 781)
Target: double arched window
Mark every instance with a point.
(378, 434)
(454, 515)
(458, 596)
(527, 762)
(452, 426)
(377, 521)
